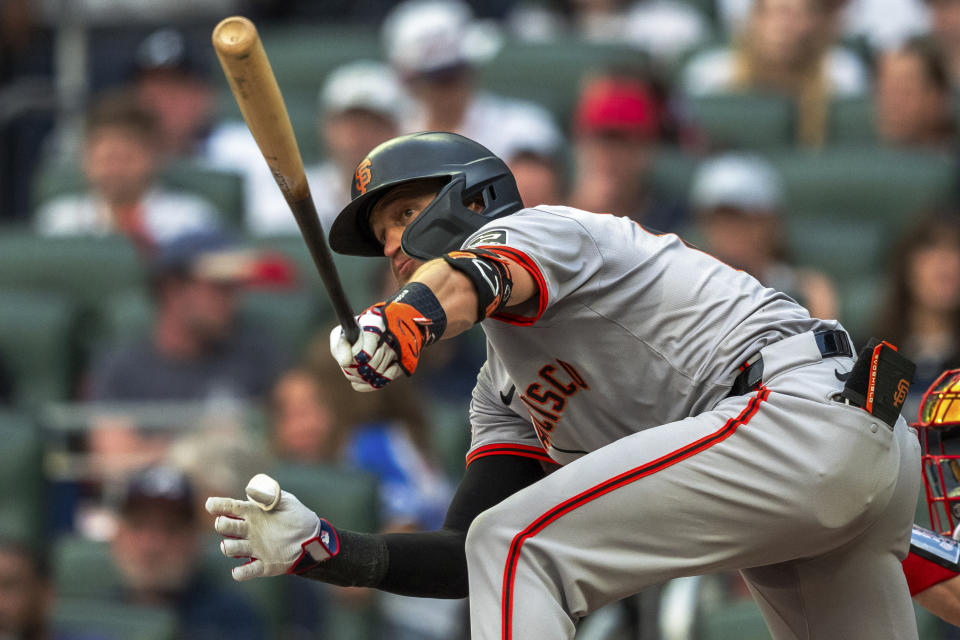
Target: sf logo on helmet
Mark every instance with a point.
(362, 176)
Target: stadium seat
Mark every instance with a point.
(107, 620)
(292, 317)
(550, 73)
(450, 435)
(37, 332)
(22, 506)
(865, 183)
(851, 121)
(84, 268)
(223, 189)
(745, 120)
(83, 568)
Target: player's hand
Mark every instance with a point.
(392, 335)
(286, 537)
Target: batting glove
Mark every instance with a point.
(392, 336)
(273, 529)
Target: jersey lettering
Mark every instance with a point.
(545, 403)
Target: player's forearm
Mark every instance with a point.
(429, 565)
(454, 292)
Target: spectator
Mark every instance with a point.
(665, 29)
(921, 311)
(198, 349)
(786, 47)
(541, 178)
(171, 79)
(615, 130)
(738, 200)
(435, 47)
(156, 549)
(121, 160)
(915, 105)
(26, 596)
(945, 29)
(359, 106)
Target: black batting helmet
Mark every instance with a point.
(471, 170)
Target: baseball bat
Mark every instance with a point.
(245, 64)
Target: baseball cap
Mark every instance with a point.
(209, 254)
(169, 49)
(163, 485)
(617, 105)
(363, 84)
(744, 182)
(436, 38)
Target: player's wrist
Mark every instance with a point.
(361, 560)
(425, 302)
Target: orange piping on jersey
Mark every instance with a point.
(508, 449)
(530, 267)
(624, 479)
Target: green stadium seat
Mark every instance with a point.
(551, 73)
(112, 620)
(672, 172)
(22, 507)
(745, 120)
(851, 121)
(292, 317)
(450, 435)
(842, 247)
(865, 183)
(223, 189)
(86, 269)
(37, 332)
(83, 568)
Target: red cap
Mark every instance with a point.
(619, 105)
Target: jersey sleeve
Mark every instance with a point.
(555, 249)
(495, 428)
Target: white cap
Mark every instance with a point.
(738, 181)
(424, 36)
(364, 84)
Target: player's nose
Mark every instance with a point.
(391, 242)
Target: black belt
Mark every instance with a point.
(831, 343)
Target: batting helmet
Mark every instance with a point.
(939, 430)
(472, 172)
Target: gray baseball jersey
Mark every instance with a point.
(650, 329)
(620, 369)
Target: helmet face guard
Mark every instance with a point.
(473, 173)
(939, 431)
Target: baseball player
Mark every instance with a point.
(645, 412)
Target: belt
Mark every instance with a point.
(831, 343)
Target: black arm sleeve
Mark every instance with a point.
(431, 564)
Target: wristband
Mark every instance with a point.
(421, 298)
(489, 275)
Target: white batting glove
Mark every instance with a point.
(369, 363)
(276, 532)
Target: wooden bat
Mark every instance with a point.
(251, 79)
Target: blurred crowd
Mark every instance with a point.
(163, 332)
